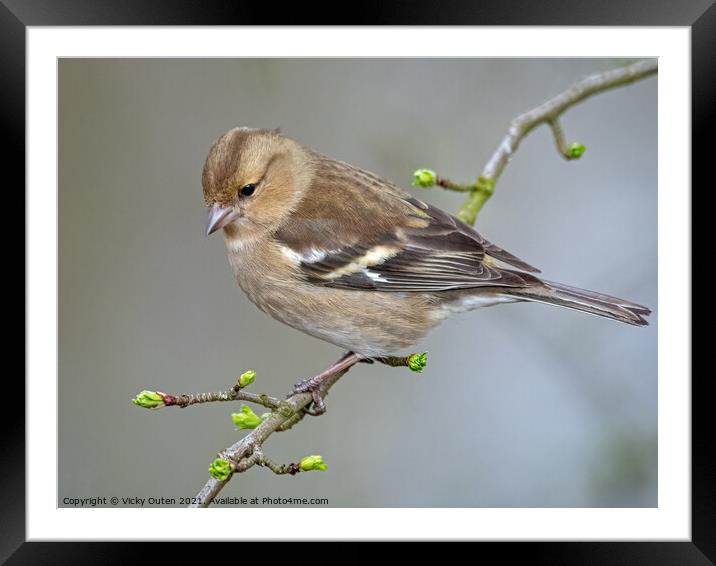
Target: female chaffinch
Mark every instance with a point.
(345, 256)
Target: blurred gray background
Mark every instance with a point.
(521, 405)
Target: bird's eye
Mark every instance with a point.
(247, 190)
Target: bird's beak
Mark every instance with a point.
(220, 216)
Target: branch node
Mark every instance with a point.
(485, 185)
(291, 421)
(285, 409)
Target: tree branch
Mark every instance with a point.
(547, 113)
(158, 399)
(242, 452)
(247, 452)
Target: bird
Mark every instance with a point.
(338, 252)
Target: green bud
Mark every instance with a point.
(312, 463)
(576, 150)
(149, 400)
(247, 378)
(417, 362)
(246, 419)
(220, 469)
(425, 178)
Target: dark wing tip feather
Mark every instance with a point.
(599, 303)
(639, 321)
(491, 249)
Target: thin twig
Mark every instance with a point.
(549, 113)
(188, 399)
(449, 185)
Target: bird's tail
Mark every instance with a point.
(583, 300)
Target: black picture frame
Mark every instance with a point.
(17, 15)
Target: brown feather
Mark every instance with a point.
(351, 211)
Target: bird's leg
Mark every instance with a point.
(313, 384)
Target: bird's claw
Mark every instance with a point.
(318, 407)
(312, 386)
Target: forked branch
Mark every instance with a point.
(547, 113)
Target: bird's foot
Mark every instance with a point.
(314, 385)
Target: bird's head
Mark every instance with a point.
(252, 179)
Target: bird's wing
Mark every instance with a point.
(363, 236)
